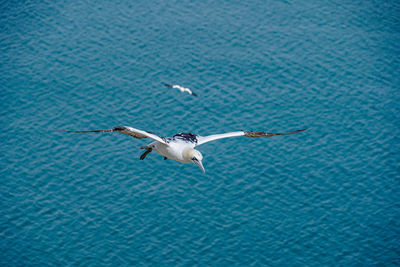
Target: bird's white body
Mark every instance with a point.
(180, 88)
(180, 147)
(174, 150)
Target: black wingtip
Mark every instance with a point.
(297, 131)
(303, 130)
(90, 131)
(67, 131)
(168, 85)
(194, 94)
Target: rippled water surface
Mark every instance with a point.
(326, 197)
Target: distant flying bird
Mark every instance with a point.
(181, 88)
(180, 147)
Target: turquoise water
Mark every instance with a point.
(326, 197)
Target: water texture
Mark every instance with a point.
(326, 197)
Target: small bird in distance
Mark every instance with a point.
(181, 88)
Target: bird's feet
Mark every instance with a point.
(143, 156)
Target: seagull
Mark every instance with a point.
(181, 88)
(180, 147)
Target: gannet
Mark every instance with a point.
(180, 147)
(181, 88)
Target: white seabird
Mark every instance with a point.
(181, 88)
(180, 147)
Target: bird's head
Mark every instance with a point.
(195, 157)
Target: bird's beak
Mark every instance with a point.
(198, 163)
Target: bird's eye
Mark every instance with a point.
(194, 159)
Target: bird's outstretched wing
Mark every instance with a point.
(126, 130)
(204, 139)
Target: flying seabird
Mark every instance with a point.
(181, 88)
(180, 147)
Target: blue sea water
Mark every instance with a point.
(326, 197)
